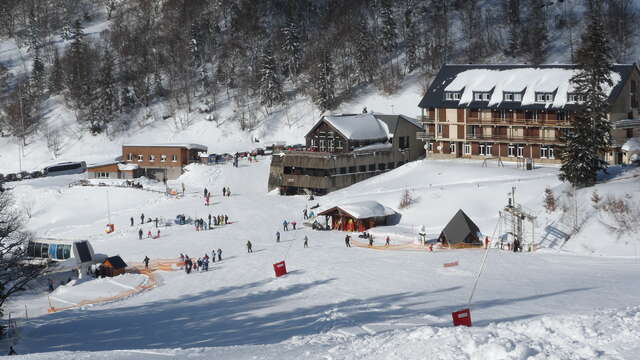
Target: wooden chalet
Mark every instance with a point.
(359, 216)
(113, 266)
(344, 149)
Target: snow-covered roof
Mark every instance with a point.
(102, 163)
(365, 209)
(632, 145)
(359, 127)
(127, 167)
(180, 145)
(525, 79)
(375, 147)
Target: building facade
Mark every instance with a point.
(518, 111)
(344, 149)
(162, 161)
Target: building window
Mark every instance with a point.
(520, 151)
(430, 147)
(330, 145)
(382, 166)
(163, 158)
(362, 168)
(575, 98)
(511, 150)
(339, 145)
(404, 142)
(452, 148)
(352, 169)
(152, 158)
(467, 149)
(485, 149)
(103, 175)
(629, 133)
(439, 130)
(372, 167)
(390, 165)
(481, 96)
(544, 97)
(551, 153)
(531, 115)
(323, 145)
(561, 116)
(452, 95)
(543, 152)
(343, 170)
(140, 157)
(174, 158)
(130, 157)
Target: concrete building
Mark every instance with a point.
(344, 149)
(519, 111)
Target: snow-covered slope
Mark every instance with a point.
(336, 302)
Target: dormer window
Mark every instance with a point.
(575, 98)
(544, 97)
(481, 96)
(511, 96)
(452, 95)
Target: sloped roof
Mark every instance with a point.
(459, 227)
(116, 262)
(358, 127)
(632, 145)
(101, 164)
(362, 209)
(393, 121)
(526, 79)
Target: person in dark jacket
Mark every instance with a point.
(219, 254)
(277, 236)
(140, 234)
(132, 221)
(249, 250)
(306, 241)
(146, 262)
(347, 241)
(11, 351)
(156, 220)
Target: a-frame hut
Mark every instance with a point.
(113, 266)
(461, 231)
(359, 216)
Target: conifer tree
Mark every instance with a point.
(591, 136)
(55, 83)
(37, 81)
(292, 48)
(365, 54)
(270, 87)
(411, 49)
(388, 36)
(324, 82)
(106, 98)
(538, 38)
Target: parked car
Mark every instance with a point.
(11, 177)
(25, 175)
(1, 177)
(36, 174)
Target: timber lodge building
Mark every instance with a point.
(518, 111)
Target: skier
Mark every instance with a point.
(347, 241)
(224, 191)
(149, 234)
(370, 241)
(181, 258)
(387, 241)
(226, 219)
(50, 285)
(285, 225)
(304, 214)
(209, 221)
(229, 190)
(206, 200)
(146, 262)
(277, 236)
(306, 241)
(200, 263)
(142, 219)
(205, 192)
(293, 223)
(158, 235)
(156, 220)
(249, 246)
(140, 234)
(219, 254)
(132, 221)
(213, 255)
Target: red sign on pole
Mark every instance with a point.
(461, 317)
(450, 264)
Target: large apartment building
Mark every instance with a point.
(518, 111)
(344, 149)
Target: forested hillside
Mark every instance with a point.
(256, 57)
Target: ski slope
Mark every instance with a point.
(336, 302)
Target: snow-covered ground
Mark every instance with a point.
(336, 302)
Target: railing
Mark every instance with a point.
(427, 120)
(513, 138)
(424, 136)
(511, 121)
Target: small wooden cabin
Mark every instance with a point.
(113, 266)
(359, 216)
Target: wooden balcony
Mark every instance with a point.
(424, 136)
(426, 119)
(514, 139)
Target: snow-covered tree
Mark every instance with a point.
(388, 35)
(292, 48)
(324, 82)
(366, 54)
(590, 138)
(537, 33)
(411, 39)
(55, 83)
(106, 98)
(270, 86)
(38, 79)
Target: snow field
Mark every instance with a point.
(335, 303)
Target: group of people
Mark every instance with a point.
(133, 184)
(156, 221)
(285, 225)
(308, 214)
(202, 263)
(149, 234)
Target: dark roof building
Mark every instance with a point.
(460, 231)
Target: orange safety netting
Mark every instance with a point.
(161, 265)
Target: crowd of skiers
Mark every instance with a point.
(201, 263)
